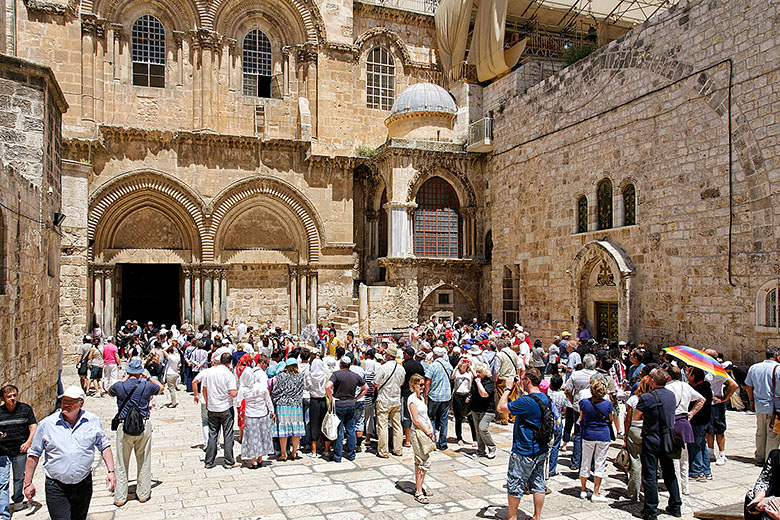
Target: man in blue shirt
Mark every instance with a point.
(68, 438)
(439, 392)
(762, 381)
(528, 458)
(140, 444)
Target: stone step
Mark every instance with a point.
(348, 314)
(341, 320)
(353, 308)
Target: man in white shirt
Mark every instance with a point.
(219, 390)
(387, 387)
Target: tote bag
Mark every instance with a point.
(330, 424)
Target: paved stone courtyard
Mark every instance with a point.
(369, 487)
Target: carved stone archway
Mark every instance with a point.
(601, 271)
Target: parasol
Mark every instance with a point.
(697, 358)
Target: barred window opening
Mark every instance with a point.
(604, 204)
(148, 52)
(436, 220)
(383, 225)
(256, 64)
(582, 214)
(380, 79)
(629, 205)
(770, 308)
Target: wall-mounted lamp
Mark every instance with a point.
(58, 218)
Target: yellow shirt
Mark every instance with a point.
(333, 343)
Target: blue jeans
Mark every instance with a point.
(553, 468)
(576, 454)
(5, 477)
(438, 413)
(7, 464)
(306, 440)
(346, 415)
(697, 451)
(650, 459)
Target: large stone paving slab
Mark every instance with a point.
(370, 487)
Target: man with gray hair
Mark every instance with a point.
(763, 387)
(578, 388)
(439, 391)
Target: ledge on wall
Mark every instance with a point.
(458, 263)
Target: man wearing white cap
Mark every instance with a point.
(388, 381)
(68, 438)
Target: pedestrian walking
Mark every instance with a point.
(219, 390)
(17, 427)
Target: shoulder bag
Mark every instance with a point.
(622, 460)
(115, 420)
(330, 424)
(671, 440)
(605, 418)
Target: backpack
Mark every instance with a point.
(134, 421)
(544, 433)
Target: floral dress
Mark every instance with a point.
(287, 395)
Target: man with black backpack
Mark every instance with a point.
(133, 430)
(533, 431)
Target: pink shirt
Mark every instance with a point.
(110, 354)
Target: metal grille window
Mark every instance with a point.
(629, 205)
(604, 204)
(770, 308)
(436, 220)
(256, 64)
(380, 79)
(510, 297)
(383, 225)
(148, 52)
(582, 214)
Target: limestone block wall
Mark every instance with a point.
(257, 293)
(652, 109)
(335, 291)
(31, 105)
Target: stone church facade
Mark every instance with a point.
(295, 161)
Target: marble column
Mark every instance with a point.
(216, 302)
(400, 229)
(372, 234)
(109, 327)
(207, 275)
(187, 297)
(197, 302)
(294, 325)
(223, 290)
(97, 296)
(304, 303)
(313, 300)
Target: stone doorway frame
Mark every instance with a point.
(622, 270)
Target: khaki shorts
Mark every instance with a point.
(421, 459)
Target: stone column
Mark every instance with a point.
(216, 302)
(109, 327)
(372, 234)
(223, 290)
(100, 73)
(467, 247)
(116, 31)
(178, 37)
(197, 313)
(294, 325)
(363, 309)
(304, 319)
(88, 27)
(400, 229)
(207, 276)
(187, 298)
(313, 300)
(97, 296)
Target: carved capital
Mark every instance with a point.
(307, 52)
(44, 6)
(293, 271)
(206, 40)
(232, 45)
(286, 50)
(178, 37)
(371, 215)
(116, 28)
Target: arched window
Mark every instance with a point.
(489, 246)
(770, 308)
(604, 204)
(436, 220)
(510, 297)
(582, 214)
(383, 225)
(380, 79)
(148, 52)
(629, 205)
(256, 64)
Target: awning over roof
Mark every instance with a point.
(613, 11)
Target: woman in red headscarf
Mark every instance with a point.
(243, 363)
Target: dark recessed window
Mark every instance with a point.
(436, 220)
(256, 63)
(604, 204)
(629, 205)
(148, 52)
(582, 214)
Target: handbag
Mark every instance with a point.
(426, 444)
(83, 366)
(671, 440)
(622, 460)
(606, 420)
(115, 420)
(330, 424)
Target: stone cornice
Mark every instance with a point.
(450, 263)
(47, 7)
(394, 14)
(207, 138)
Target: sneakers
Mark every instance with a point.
(673, 512)
(598, 498)
(721, 459)
(584, 495)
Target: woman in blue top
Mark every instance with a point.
(595, 418)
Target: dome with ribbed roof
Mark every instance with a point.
(424, 97)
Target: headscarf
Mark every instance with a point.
(244, 362)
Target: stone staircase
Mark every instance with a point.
(347, 319)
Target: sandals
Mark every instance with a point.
(427, 492)
(420, 497)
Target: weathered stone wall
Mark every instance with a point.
(258, 293)
(650, 109)
(31, 105)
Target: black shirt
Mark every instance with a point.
(703, 416)
(651, 427)
(411, 366)
(16, 426)
(480, 404)
(345, 384)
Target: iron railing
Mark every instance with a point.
(480, 131)
(417, 6)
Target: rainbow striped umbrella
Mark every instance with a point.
(696, 358)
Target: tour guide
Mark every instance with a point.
(68, 438)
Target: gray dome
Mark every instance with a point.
(424, 97)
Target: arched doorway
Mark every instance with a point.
(602, 275)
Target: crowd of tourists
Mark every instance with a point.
(317, 395)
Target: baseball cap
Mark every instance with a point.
(74, 392)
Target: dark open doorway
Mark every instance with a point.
(150, 292)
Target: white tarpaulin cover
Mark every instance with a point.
(452, 30)
(487, 43)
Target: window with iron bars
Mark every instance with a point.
(436, 220)
(256, 64)
(380, 79)
(148, 52)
